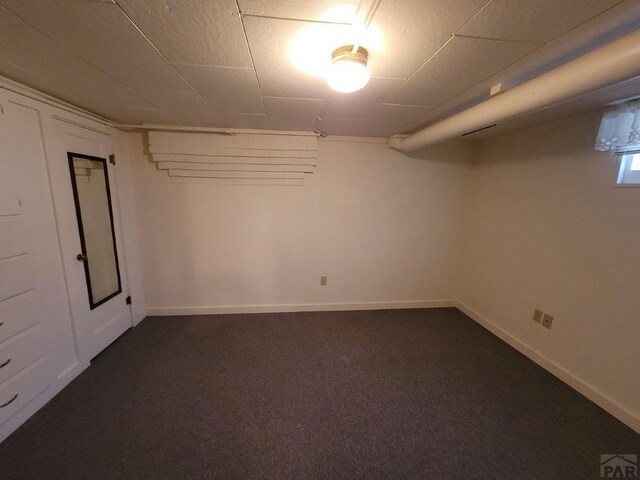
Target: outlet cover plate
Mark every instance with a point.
(537, 315)
(547, 320)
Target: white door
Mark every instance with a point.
(86, 199)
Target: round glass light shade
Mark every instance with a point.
(348, 71)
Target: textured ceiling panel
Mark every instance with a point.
(474, 95)
(29, 56)
(200, 32)
(290, 56)
(616, 22)
(323, 10)
(126, 59)
(385, 120)
(184, 107)
(405, 33)
(293, 113)
(229, 90)
(133, 115)
(88, 28)
(242, 120)
(533, 20)
(459, 65)
(24, 76)
(362, 103)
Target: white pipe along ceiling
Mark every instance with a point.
(610, 64)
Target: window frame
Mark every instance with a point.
(625, 177)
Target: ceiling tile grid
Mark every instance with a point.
(28, 56)
(259, 64)
(335, 11)
(100, 34)
(198, 32)
(362, 103)
(285, 54)
(533, 20)
(225, 89)
(293, 113)
(459, 65)
(385, 120)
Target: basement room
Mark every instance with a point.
(322, 239)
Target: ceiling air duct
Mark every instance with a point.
(610, 64)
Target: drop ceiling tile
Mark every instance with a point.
(241, 120)
(322, 10)
(607, 27)
(406, 33)
(24, 76)
(138, 116)
(401, 117)
(462, 63)
(533, 20)
(291, 57)
(29, 56)
(200, 32)
(230, 90)
(476, 94)
(293, 113)
(102, 35)
(363, 102)
(184, 107)
(349, 126)
(386, 120)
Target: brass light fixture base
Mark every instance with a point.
(361, 55)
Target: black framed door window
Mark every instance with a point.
(91, 193)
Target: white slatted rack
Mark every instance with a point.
(239, 159)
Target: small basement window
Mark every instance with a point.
(629, 173)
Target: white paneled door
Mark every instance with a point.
(86, 198)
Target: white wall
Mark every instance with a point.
(546, 228)
(382, 227)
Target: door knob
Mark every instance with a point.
(81, 257)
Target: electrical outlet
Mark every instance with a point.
(323, 280)
(547, 320)
(537, 315)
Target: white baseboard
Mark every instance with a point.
(301, 307)
(138, 316)
(39, 401)
(623, 414)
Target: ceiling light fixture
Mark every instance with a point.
(348, 71)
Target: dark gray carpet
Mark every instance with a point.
(401, 394)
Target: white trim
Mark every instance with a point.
(33, 94)
(138, 316)
(299, 307)
(220, 130)
(22, 415)
(626, 416)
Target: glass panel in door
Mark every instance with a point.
(90, 180)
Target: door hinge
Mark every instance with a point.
(112, 159)
(128, 300)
